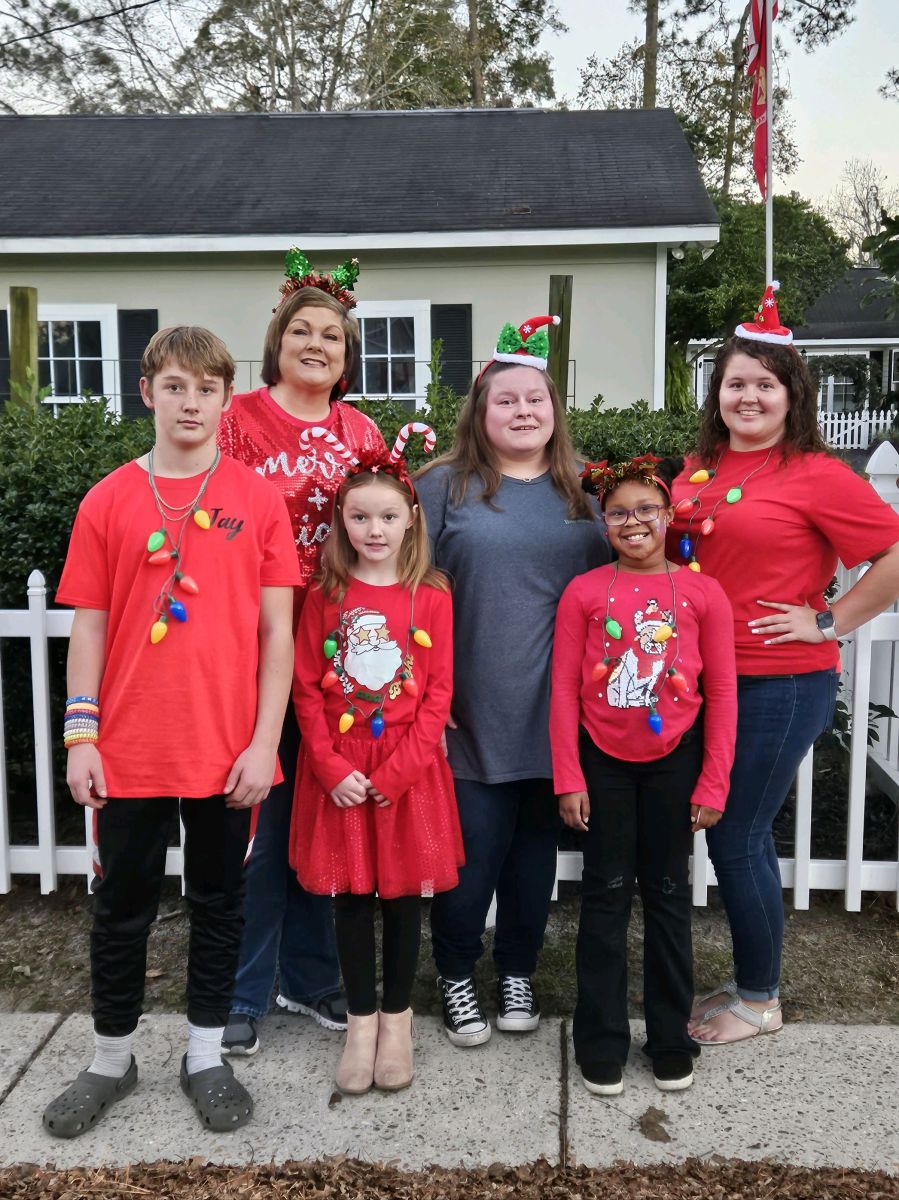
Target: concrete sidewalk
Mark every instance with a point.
(816, 1095)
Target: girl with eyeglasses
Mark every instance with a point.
(642, 726)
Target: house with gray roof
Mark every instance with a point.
(125, 224)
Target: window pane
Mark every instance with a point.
(43, 345)
(43, 372)
(375, 335)
(64, 380)
(403, 376)
(376, 377)
(89, 339)
(402, 335)
(63, 338)
(91, 377)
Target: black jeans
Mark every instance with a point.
(511, 837)
(354, 921)
(639, 830)
(132, 836)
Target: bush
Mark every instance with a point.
(621, 433)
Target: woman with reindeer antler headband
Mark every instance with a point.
(374, 808)
(509, 523)
(308, 361)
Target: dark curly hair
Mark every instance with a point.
(802, 435)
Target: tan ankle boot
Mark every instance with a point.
(393, 1066)
(357, 1064)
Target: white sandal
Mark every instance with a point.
(758, 1022)
(729, 989)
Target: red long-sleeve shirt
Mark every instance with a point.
(377, 631)
(615, 711)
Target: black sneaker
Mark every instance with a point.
(329, 1011)
(240, 1035)
(673, 1072)
(518, 1007)
(463, 1021)
(603, 1078)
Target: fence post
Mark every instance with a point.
(5, 864)
(43, 743)
(802, 838)
(858, 766)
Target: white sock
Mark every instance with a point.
(204, 1047)
(112, 1055)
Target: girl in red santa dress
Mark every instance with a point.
(374, 807)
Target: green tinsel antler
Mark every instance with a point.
(297, 264)
(346, 274)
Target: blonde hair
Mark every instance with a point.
(308, 297)
(414, 563)
(193, 348)
(471, 452)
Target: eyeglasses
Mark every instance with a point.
(645, 514)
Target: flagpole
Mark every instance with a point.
(769, 121)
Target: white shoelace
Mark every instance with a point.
(517, 993)
(462, 1001)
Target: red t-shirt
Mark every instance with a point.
(781, 542)
(175, 716)
(259, 433)
(373, 648)
(615, 711)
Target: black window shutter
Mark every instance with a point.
(136, 327)
(452, 324)
(4, 358)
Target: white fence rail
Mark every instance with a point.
(854, 430)
(870, 673)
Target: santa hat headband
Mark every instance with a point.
(300, 274)
(765, 325)
(375, 462)
(526, 346)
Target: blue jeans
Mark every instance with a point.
(511, 836)
(778, 719)
(288, 932)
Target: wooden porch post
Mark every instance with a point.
(560, 289)
(23, 345)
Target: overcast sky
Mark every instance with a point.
(835, 106)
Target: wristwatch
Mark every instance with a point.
(824, 621)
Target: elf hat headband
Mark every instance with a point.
(300, 274)
(375, 461)
(600, 479)
(765, 325)
(526, 346)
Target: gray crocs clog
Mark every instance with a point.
(85, 1101)
(222, 1102)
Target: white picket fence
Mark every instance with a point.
(854, 430)
(870, 673)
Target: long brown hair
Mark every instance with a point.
(802, 434)
(471, 453)
(414, 563)
(308, 297)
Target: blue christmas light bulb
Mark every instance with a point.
(686, 546)
(655, 722)
(377, 725)
(177, 609)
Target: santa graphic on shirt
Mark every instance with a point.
(371, 656)
(633, 685)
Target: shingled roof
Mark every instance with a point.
(347, 173)
(855, 308)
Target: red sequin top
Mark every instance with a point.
(258, 432)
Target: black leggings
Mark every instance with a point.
(354, 921)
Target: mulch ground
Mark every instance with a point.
(692, 1180)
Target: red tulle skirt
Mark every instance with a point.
(413, 847)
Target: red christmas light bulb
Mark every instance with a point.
(189, 585)
(707, 526)
(600, 671)
(410, 686)
(329, 679)
(684, 506)
(159, 557)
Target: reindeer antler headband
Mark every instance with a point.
(598, 479)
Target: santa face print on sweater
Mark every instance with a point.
(370, 656)
(633, 682)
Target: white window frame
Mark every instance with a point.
(825, 387)
(420, 312)
(894, 371)
(107, 315)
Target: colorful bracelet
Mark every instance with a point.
(82, 699)
(81, 723)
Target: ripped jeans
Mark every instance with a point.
(639, 834)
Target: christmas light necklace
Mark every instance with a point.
(337, 640)
(688, 545)
(612, 629)
(165, 605)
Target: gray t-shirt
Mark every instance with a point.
(508, 569)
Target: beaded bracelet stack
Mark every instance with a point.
(82, 720)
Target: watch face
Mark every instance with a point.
(824, 620)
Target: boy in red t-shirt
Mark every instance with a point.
(181, 570)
